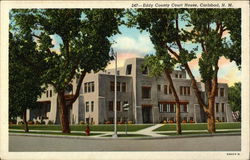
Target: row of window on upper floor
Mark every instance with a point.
(120, 86)
(146, 91)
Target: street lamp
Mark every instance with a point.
(114, 54)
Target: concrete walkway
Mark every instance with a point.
(149, 131)
(146, 131)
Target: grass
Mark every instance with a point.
(103, 127)
(192, 133)
(56, 133)
(199, 126)
(128, 135)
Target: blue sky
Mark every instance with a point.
(133, 43)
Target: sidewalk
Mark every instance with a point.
(146, 131)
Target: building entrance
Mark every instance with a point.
(147, 113)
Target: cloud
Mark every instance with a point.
(140, 45)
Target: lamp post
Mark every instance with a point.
(115, 102)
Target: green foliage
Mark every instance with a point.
(24, 83)
(84, 34)
(234, 97)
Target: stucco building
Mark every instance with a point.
(150, 99)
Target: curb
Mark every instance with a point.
(126, 138)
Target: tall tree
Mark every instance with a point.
(24, 83)
(162, 63)
(234, 97)
(84, 45)
(206, 29)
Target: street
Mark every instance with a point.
(216, 143)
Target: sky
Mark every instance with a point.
(134, 43)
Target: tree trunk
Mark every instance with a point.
(178, 114)
(26, 129)
(210, 112)
(64, 115)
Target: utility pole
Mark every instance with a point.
(115, 102)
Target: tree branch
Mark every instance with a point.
(77, 92)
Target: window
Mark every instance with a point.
(171, 107)
(188, 90)
(217, 107)
(222, 92)
(160, 107)
(181, 90)
(183, 107)
(91, 120)
(218, 118)
(118, 106)
(118, 73)
(50, 93)
(92, 106)
(185, 119)
(87, 120)
(180, 76)
(170, 90)
(111, 106)
(93, 86)
(159, 87)
(112, 86)
(184, 90)
(168, 107)
(146, 92)
(87, 106)
(191, 119)
(145, 70)
(89, 87)
(118, 86)
(165, 89)
(129, 69)
(85, 87)
(223, 119)
(124, 87)
(222, 107)
(176, 75)
(47, 93)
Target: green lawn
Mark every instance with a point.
(192, 133)
(57, 133)
(199, 126)
(104, 127)
(129, 135)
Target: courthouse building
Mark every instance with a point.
(150, 99)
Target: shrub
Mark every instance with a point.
(37, 122)
(21, 122)
(30, 122)
(184, 121)
(108, 122)
(82, 122)
(120, 122)
(130, 122)
(165, 122)
(50, 122)
(42, 122)
(191, 121)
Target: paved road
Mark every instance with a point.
(216, 143)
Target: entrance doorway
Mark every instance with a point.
(147, 113)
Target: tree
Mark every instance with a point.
(162, 63)
(24, 83)
(234, 97)
(205, 29)
(84, 46)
